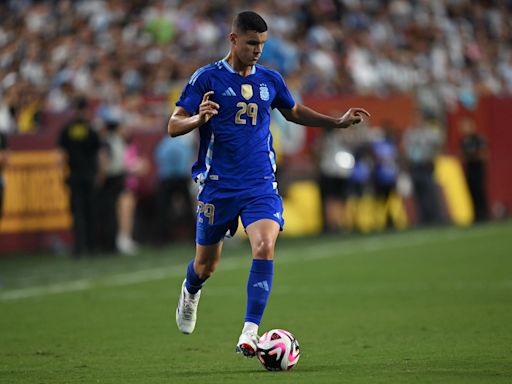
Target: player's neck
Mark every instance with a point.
(238, 66)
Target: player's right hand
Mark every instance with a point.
(352, 116)
(207, 108)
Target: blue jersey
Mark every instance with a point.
(236, 145)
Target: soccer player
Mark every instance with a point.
(230, 102)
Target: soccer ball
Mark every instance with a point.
(278, 350)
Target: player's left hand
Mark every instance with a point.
(352, 116)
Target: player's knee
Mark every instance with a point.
(264, 249)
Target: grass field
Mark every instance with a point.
(425, 306)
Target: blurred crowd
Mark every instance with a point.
(369, 168)
(120, 53)
(103, 171)
(118, 57)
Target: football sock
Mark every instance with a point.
(259, 286)
(193, 282)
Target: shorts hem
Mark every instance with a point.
(281, 224)
(205, 243)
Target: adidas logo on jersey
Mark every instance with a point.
(229, 92)
(262, 284)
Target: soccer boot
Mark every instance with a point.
(247, 344)
(186, 312)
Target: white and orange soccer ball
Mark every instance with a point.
(278, 350)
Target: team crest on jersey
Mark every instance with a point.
(264, 94)
(247, 91)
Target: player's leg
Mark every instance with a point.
(198, 271)
(216, 214)
(203, 265)
(262, 236)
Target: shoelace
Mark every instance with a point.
(189, 305)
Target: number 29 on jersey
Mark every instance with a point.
(246, 110)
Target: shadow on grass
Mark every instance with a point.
(256, 371)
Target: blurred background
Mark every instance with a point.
(87, 87)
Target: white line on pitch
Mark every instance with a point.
(316, 252)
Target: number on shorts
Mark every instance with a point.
(208, 210)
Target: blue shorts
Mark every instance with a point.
(218, 211)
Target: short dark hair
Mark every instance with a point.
(249, 21)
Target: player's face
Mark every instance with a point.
(248, 46)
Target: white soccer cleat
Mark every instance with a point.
(186, 312)
(247, 344)
(126, 245)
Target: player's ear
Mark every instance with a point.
(233, 38)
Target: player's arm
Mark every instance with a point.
(303, 115)
(182, 122)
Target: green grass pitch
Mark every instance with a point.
(423, 306)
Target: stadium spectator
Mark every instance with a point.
(444, 51)
(112, 170)
(336, 164)
(474, 156)
(8, 109)
(173, 159)
(80, 145)
(60, 98)
(361, 177)
(131, 58)
(135, 167)
(422, 143)
(386, 168)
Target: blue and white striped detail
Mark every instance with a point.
(272, 158)
(229, 92)
(271, 155)
(230, 68)
(201, 178)
(198, 73)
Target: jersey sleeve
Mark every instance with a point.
(283, 98)
(193, 92)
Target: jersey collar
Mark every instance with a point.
(230, 68)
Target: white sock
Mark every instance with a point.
(250, 327)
